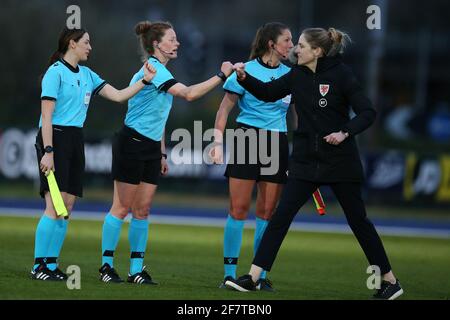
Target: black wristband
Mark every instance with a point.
(222, 76)
(145, 82)
(164, 155)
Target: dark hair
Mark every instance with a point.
(332, 41)
(267, 32)
(148, 32)
(63, 42)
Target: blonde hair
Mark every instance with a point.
(331, 41)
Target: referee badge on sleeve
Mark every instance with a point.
(87, 99)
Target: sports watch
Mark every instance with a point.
(48, 149)
(222, 76)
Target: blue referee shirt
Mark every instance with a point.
(149, 109)
(71, 89)
(254, 112)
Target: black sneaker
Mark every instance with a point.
(61, 275)
(222, 284)
(243, 284)
(389, 291)
(108, 274)
(43, 273)
(264, 285)
(141, 278)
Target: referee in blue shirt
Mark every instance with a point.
(139, 151)
(271, 45)
(67, 89)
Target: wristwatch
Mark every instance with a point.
(48, 149)
(222, 76)
(164, 155)
(145, 82)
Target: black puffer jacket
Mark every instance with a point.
(322, 100)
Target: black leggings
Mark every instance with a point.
(295, 195)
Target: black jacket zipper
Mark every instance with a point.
(316, 136)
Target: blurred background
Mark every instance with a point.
(403, 66)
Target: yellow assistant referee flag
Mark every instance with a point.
(55, 194)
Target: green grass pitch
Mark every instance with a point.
(187, 263)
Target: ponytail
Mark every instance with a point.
(146, 48)
(339, 41)
(54, 57)
(332, 41)
(142, 27)
(257, 49)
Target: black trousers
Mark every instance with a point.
(294, 196)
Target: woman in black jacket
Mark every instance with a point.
(325, 150)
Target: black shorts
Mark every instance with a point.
(252, 168)
(135, 158)
(68, 157)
